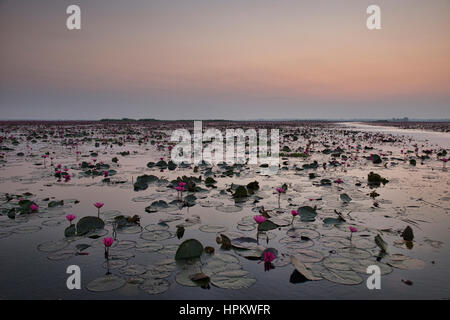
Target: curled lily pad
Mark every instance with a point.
(106, 283)
(155, 286)
(212, 228)
(300, 267)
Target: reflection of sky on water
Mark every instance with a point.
(27, 273)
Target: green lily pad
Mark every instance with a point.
(87, 224)
(155, 286)
(189, 249)
(106, 283)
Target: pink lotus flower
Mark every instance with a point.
(339, 181)
(108, 242)
(70, 218)
(259, 219)
(294, 213)
(106, 173)
(98, 205)
(268, 257)
(34, 208)
(179, 188)
(352, 229)
(182, 184)
(280, 190)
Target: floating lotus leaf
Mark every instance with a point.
(155, 286)
(303, 233)
(296, 243)
(307, 214)
(234, 279)
(169, 250)
(51, 246)
(253, 253)
(157, 226)
(244, 243)
(157, 235)
(51, 223)
(308, 256)
(120, 255)
(228, 208)
(124, 245)
(184, 277)
(70, 231)
(133, 269)
(301, 268)
(406, 264)
(131, 229)
(26, 229)
(354, 253)
(106, 283)
(340, 263)
(147, 247)
(212, 228)
(345, 198)
(267, 226)
(87, 224)
(189, 249)
(362, 265)
(246, 227)
(342, 277)
(282, 260)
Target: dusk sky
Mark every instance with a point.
(232, 59)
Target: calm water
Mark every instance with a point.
(417, 196)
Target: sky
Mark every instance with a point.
(224, 59)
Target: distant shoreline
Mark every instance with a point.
(428, 125)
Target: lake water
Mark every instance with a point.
(36, 253)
